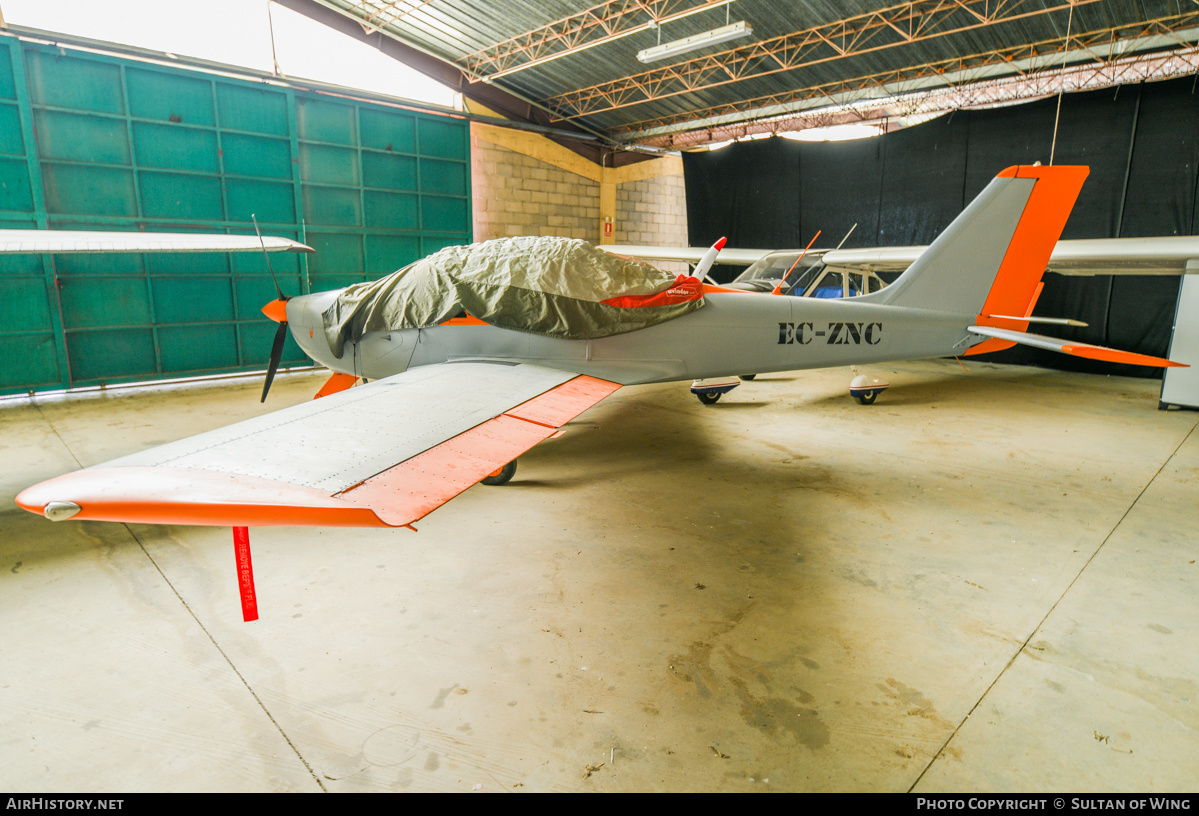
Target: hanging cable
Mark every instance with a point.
(1062, 86)
(270, 21)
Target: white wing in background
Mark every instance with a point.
(1099, 256)
(83, 241)
(692, 255)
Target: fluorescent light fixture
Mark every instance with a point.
(716, 35)
(834, 133)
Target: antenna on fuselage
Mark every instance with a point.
(778, 289)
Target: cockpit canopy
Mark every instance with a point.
(807, 277)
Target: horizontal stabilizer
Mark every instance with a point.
(1053, 321)
(1075, 349)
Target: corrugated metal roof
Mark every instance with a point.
(579, 60)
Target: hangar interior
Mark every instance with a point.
(984, 582)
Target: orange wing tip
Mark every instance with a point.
(1114, 356)
(166, 495)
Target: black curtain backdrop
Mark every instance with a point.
(1140, 141)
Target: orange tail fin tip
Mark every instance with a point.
(1018, 283)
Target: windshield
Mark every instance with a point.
(766, 273)
(809, 277)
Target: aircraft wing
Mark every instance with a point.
(83, 241)
(877, 259)
(692, 255)
(382, 454)
(1125, 256)
(1100, 256)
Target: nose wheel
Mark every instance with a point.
(866, 389)
(710, 391)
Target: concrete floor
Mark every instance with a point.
(984, 582)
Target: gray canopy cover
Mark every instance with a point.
(549, 286)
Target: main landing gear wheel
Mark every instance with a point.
(867, 398)
(501, 476)
(708, 397)
(748, 376)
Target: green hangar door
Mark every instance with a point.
(95, 142)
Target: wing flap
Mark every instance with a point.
(414, 488)
(555, 408)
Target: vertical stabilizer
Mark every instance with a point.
(989, 261)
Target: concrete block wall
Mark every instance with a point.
(515, 194)
(526, 185)
(652, 211)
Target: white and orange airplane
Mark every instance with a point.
(456, 402)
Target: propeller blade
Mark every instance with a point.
(709, 258)
(276, 356)
(267, 255)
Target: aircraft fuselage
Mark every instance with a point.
(735, 333)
